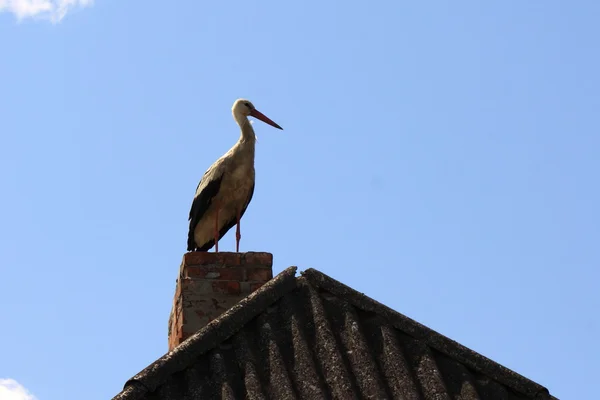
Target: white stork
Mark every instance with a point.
(226, 188)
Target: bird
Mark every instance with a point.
(226, 188)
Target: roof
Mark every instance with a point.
(311, 337)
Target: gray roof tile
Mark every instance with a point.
(311, 337)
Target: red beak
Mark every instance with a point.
(257, 114)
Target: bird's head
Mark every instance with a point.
(245, 108)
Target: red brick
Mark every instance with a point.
(186, 284)
(226, 287)
(258, 258)
(230, 259)
(233, 274)
(177, 293)
(206, 258)
(259, 274)
(256, 286)
(176, 337)
(224, 273)
(198, 258)
(211, 283)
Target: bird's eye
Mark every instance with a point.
(247, 105)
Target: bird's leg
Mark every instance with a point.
(238, 235)
(217, 228)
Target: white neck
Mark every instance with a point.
(247, 132)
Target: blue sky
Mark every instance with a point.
(440, 157)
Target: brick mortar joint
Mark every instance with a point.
(196, 280)
(227, 258)
(232, 266)
(195, 274)
(221, 266)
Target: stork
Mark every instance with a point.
(225, 190)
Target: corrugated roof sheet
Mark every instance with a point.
(311, 337)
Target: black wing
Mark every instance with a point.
(200, 205)
(207, 246)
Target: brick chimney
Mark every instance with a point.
(209, 284)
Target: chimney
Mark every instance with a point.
(211, 283)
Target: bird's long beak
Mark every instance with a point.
(257, 114)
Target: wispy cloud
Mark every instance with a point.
(53, 10)
(12, 390)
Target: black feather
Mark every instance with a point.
(228, 225)
(199, 206)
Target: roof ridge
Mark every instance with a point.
(432, 338)
(215, 332)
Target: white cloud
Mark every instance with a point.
(54, 10)
(12, 390)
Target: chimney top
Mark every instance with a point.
(211, 283)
